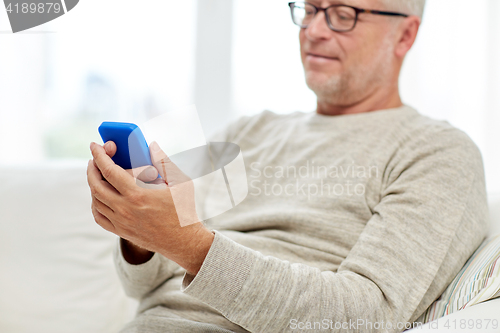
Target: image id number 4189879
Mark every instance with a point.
(475, 324)
(34, 7)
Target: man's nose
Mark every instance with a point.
(318, 28)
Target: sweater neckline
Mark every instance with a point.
(316, 118)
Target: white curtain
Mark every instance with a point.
(113, 60)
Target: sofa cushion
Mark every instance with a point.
(494, 207)
(57, 273)
(478, 281)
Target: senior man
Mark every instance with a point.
(358, 215)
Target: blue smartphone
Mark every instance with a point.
(131, 147)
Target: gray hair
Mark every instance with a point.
(411, 7)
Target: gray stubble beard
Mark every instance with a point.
(351, 86)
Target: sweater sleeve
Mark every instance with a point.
(433, 198)
(138, 280)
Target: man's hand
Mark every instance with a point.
(132, 253)
(148, 216)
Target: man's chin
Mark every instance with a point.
(322, 85)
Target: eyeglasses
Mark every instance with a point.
(340, 18)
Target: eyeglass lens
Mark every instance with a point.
(341, 17)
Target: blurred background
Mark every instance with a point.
(133, 60)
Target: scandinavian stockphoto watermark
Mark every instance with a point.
(26, 14)
(354, 325)
(475, 325)
(310, 179)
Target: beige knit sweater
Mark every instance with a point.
(353, 223)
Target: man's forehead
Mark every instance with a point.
(356, 3)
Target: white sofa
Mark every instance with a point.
(57, 273)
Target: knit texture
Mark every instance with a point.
(352, 223)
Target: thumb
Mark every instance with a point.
(110, 148)
(166, 168)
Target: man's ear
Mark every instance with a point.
(407, 34)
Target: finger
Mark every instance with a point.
(103, 208)
(110, 148)
(158, 181)
(146, 173)
(160, 160)
(114, 174)
(102, 220)
(156, 184)
(167, 169)
(100, 188)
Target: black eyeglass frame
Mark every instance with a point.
(356, 9)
